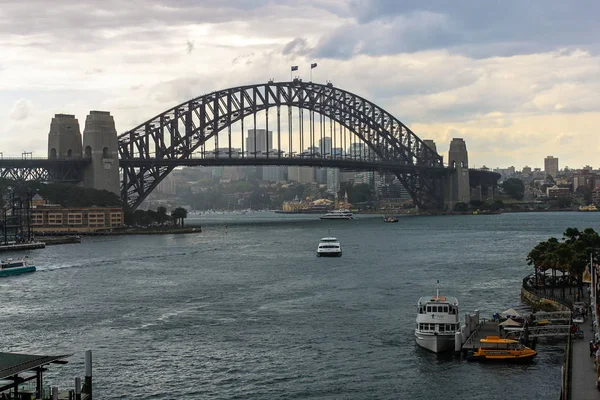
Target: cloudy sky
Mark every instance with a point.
(518, 80)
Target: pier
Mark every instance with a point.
(22, 377)
(21, 246)
(555, 324)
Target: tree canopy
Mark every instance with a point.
(514, 187)
(570, 256)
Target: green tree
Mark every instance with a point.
(179, 215)
(514, 187)
(161, 215)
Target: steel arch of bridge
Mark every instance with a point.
(149, 152)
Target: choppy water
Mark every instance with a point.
(246, 310)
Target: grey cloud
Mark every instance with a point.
(403, 33)
(479, 29)
(298, 46)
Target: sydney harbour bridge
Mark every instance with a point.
(309, 124)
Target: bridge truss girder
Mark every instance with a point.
(43, 170)
(177, 133)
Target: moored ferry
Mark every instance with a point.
(15, 267)
(437, 322)
(338, 214)
(588, 208)
(494, 348)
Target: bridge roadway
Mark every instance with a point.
(69, 170)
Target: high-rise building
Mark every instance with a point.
(325, 146)
(551, 166)
(259, 142)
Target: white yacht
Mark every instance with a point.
(329, 247)
(338, 214)
(437, 322)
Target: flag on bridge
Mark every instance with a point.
(294, 68)
(313, 65)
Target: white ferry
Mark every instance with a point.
(437, 322)
(338, 214)
(15, 267)
(329, 247)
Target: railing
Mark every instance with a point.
(565, 392)
(543, 293)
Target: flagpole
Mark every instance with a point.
(311, 73)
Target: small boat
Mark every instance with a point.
(329, 247)
(591, 207)
(15, 267)
(389, 218)
(338, 214)
(495, 348)
(438, 321)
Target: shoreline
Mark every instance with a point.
(119, 232)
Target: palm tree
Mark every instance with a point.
(563, 256)
(583, 244)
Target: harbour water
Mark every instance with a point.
(246, 310)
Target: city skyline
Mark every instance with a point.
(508, 81)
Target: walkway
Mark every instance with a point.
(583, 374)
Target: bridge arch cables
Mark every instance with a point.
(350, 133)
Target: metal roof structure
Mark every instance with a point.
(12, 364)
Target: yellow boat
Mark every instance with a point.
(494, 348)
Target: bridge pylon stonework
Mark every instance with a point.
(100, 146)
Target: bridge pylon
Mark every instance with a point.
(458, 188)
(101, 146)
(64, 138)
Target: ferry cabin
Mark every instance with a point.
(438, 317)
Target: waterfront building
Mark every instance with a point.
(527, 170)
(555, 192)
(53, 218)
(596, 196)
(585, 178)
(551, 166)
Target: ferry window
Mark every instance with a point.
(434, 309)
(420, 310)
(449, 327)
(446, 309)
(441, 327)
(428, 308)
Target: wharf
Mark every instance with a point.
(483, 329)
(48, 241)
(22, 246)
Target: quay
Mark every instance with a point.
(13, 246)
(52, 240)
